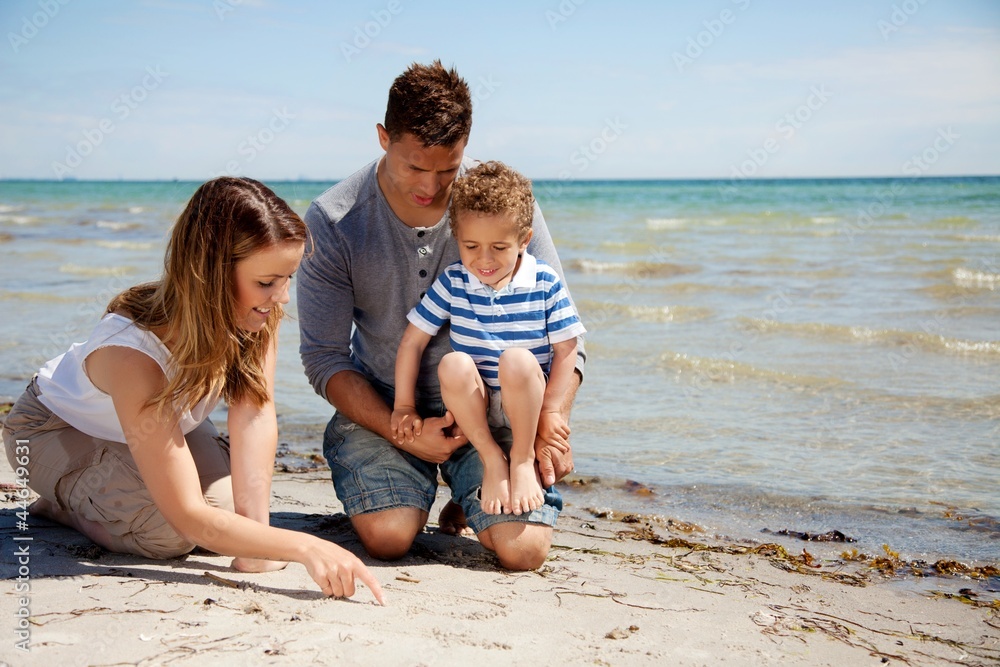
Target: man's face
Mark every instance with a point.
(418, 178)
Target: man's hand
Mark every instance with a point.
(435, 442)
(553, 464)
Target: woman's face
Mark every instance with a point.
(261, 281)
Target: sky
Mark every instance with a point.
(563, 89)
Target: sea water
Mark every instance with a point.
(805, 355)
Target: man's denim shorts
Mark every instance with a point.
(370, 474)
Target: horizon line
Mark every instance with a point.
(654, 179)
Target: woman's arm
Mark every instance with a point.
(253, 439)
(168, 469)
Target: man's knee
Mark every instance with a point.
(389, 534)
(519, 546)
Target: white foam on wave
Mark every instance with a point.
(824, 220)
(116, 226)
(666, 223)
(591, 266)
(135, 209)
(979, 238)
(79, 270)
(7, 208)
(976, 279)
(17, 219)
(124, 245)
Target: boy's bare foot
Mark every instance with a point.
(494, 496)
(525, 488)
(452, 521)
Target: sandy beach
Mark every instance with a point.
(614, 591)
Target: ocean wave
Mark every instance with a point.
(76, 269)
(666, 223)
(923, 340)
(136, 209)
(635, 269)
(961, 220)
(117, 226)
(970, 279)
(597, 311)
(715, 370)
(825, 219)
(977, 238)
(18, 219)
(44, 297)
(124, 245)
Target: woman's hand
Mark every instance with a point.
(334, 570)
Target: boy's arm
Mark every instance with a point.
(411, 349)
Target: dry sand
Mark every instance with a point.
(611, 593)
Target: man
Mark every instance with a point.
(381, 238)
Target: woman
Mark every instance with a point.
(115, 432)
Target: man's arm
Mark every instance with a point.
(543, 248)
(554, 464)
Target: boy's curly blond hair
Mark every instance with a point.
(493, 188)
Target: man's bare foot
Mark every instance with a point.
(526, 492)
(257, 565)
(452, 521)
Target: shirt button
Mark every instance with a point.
(423, 273)
(420, 234)
(423, 251)
(422, 294)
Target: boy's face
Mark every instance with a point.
(418, 178)
(489, 246)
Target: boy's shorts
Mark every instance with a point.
(495, 416)
(370, 474)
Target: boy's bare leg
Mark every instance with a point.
(464, 394)
(519, 369)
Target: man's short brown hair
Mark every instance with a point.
(493, 188)
(431, 103)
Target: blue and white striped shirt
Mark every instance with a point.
(533, 311)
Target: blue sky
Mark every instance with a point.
(189, 89)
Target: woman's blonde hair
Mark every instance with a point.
(194, 303)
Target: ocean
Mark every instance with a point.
(800, 355)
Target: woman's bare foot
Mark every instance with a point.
(525, 488)
(494, 496)
(257, 565)
(49, 510)
(452, 521)
(44, 508)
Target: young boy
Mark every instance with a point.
(512, 325)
